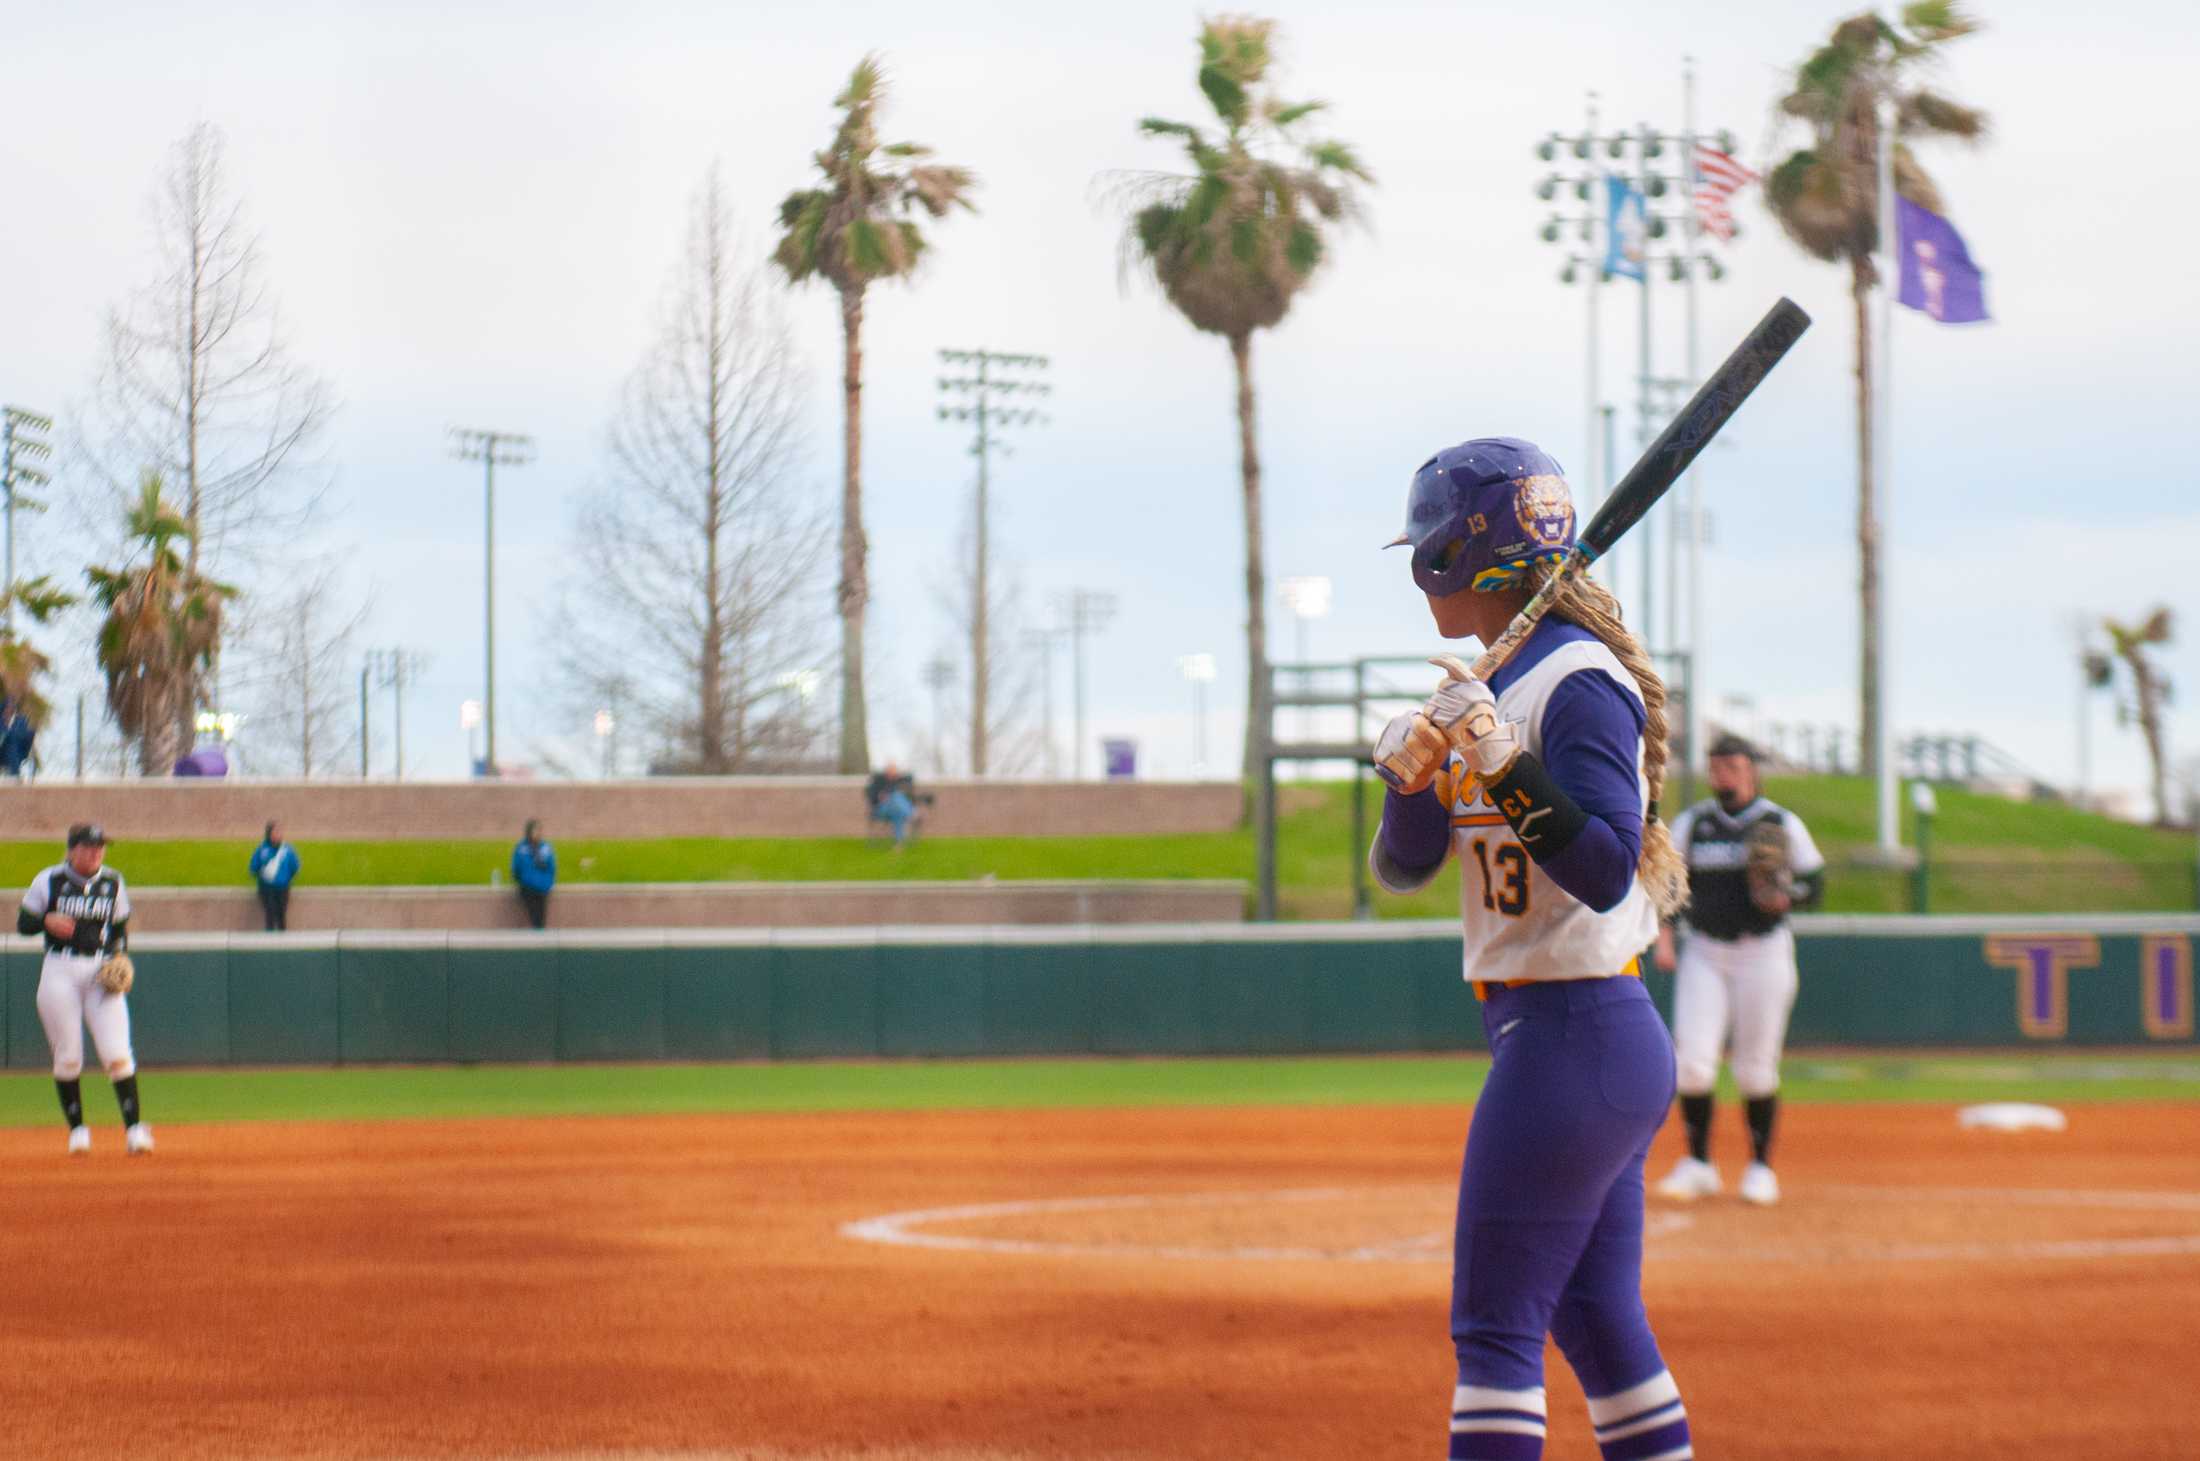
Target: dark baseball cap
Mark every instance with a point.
(87, 833)
(1734, 745)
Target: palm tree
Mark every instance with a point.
(1232, 242)
(22, 664)
(1825, 194)
(161, 633)
(2149, 691)
(856, 229)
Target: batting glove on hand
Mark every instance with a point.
(1410, 752)
(1468, 711)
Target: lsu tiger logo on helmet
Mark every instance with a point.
(1546, 510)
(1461, 507)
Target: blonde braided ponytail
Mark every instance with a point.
(1584, 601)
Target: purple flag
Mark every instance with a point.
(1938, 277)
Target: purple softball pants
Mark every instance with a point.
(1549, 1235)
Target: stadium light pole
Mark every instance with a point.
(1890, 276)
(1691, 251)
(1088, 612)
(605, 725)
(1308, 597)
(1586, 223)
(1634, 158)
(405, 667)
(469, 721)
(22, 441)
(1044, 640)
(939, 673)
(368, 667)
(393, 669)
(981, 398)
(492, 449)
(1199, 671)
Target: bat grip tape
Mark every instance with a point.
(1542, 816)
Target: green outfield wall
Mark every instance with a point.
(321, 999)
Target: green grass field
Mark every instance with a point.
(405, 1093)
(1991, 855)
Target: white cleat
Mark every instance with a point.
(80, 1140)
(1689, 1180)
(139, 1139)
(1759, 1185)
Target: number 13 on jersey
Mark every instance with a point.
(1504, 888)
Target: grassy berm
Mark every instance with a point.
(1990, 855)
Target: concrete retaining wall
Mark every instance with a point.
(702, 905)
(730, 806)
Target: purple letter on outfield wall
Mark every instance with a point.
(2165, 985)
(2043, 962)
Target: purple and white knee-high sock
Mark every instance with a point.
(1645, 1422)
(1496, 1425)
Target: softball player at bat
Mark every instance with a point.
(1544, 784)
(82, 908)
(1735, 972)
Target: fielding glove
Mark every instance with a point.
(117, 974)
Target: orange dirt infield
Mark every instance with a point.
(1221, 1283)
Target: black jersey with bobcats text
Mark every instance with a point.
(1711, 839)
(99, 904)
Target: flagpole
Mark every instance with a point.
(1890, 275)
(1643, 406)
(1697, 693)
(1590, 476)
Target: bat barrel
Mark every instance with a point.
(1714, 403)
(1720, 396)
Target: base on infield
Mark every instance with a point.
(2011, 1116)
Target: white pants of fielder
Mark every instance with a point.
(1743, 987)
(70, 999)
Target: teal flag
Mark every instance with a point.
(1627, 229)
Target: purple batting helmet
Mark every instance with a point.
(1483, 512)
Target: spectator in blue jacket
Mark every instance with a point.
(535, 869)
(274, 865)
(17, 735)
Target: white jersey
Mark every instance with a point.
(1519, 924)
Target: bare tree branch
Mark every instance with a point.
(199, 384)
(698, 601)
(299, 674)
(1009, 672)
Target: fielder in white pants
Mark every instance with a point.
(82, 909)
(1734, 970)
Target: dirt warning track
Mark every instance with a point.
(1053, 1284)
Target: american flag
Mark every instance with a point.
(1718, 179)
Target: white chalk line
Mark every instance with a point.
(901, 1229)
(908, 1229)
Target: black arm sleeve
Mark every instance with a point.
(1542, 816)
(27, 922)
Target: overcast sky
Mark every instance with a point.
(468, 213)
